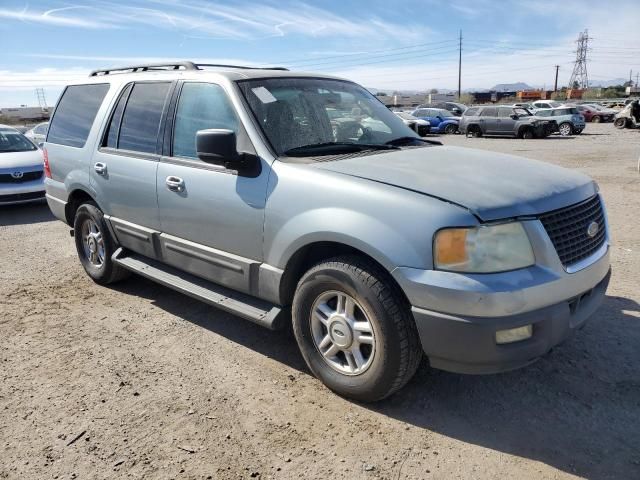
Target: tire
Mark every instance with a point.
(526, 134)
(620, 123)
(475, 131)
(450, 129)
(596, 119)
(388, 356)
(578, 131)
(95, 245)
(565, 129)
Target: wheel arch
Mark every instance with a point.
(312, 253)
(76, 198)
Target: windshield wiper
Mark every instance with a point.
(401, 140)
(328, 148)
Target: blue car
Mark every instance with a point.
(441, 120)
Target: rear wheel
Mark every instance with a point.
(474, 131)
(354, 329)
(565, 129)
(450, 129)
(95, 245)
(596, 119)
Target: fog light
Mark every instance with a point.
(514, 334)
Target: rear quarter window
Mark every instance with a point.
(75, 113)
(470, 112)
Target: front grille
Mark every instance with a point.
(567, 229)
(21, 197)
(26, 177)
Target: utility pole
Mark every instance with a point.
(460, 67)
(579, 75)
(637, 76)
(555, 85)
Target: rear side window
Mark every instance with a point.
(111, 139)
(142, 115)
(489, 112)
(75, 113)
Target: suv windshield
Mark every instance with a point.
(14, 141)
(300, 113)
(522, 112)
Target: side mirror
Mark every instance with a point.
(514, 116)
(217, 146)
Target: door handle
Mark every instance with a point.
(175, 184)
(100, 168)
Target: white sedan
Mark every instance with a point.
(21, 168)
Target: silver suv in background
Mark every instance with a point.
(293, 197)
(504, 121)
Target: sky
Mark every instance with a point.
(387, 45)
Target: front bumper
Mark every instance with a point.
(27, 192)
(457, 315)
(464, 344)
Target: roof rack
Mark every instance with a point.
(185, 65)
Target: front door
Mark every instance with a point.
(211, 217)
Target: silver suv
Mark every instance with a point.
(289, 197)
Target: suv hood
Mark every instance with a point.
(491, 185)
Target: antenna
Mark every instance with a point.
(579, 77)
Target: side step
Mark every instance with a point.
(258, 311)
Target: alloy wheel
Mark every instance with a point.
(342, 333)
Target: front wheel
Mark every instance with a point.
(527, 134)
(578, 131)
(620, 122)
(450, 129)
(354, 329)
(95, 245)
(565, 129)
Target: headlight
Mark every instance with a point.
(494, 248)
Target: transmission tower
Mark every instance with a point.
(42, 101)
(579, 74)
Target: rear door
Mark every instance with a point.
(123, 172)
(488, 118)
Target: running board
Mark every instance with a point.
(258, 311)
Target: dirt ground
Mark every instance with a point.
(137, 381)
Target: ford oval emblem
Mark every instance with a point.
(592, 229)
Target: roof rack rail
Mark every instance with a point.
(186, 65)
(145, 68)
(241, 67)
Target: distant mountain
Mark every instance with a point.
(510, 87)
(607, 83)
